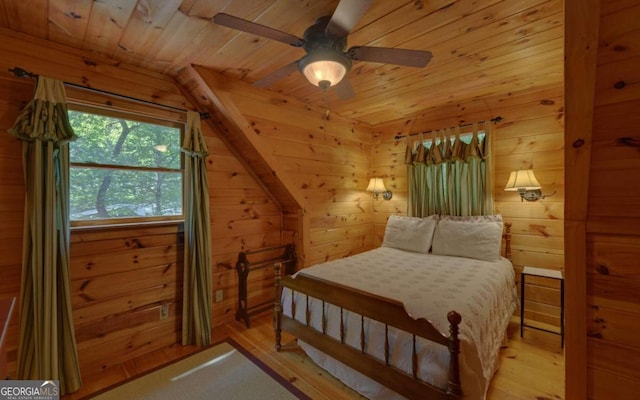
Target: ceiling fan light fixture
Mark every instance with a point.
(324, 68)
(326, 62)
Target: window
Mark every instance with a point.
(452, 180)
(124, 168)
(465, 138)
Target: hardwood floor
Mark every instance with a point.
(530, 368)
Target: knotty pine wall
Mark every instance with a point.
(328, 162)
(11, 211)
(325, 156)
(122, 275)
(531, 135)
(603, 204)
(613, 233)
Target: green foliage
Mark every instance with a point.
(137, 168)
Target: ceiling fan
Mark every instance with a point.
(327, 62)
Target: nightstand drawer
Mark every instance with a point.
(548, 274)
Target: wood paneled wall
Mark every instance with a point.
(121, 276)
(12, 197)
(603, 206)
(120, 279)
(531, 135)
(243, 217)
(326, 158)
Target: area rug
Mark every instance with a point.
(224, 371)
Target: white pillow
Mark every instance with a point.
(473, 218)
(410, 233)
(471, 237)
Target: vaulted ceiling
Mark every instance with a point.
(481, 48)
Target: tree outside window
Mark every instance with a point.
(123, 168)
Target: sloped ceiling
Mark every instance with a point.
(480, 48)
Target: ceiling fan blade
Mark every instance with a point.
(344, 90)
(257, 29)
(387, 55)
(346, 16)
(276, 75)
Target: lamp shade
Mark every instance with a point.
(376, 185)
(324, 68)
(522, 179)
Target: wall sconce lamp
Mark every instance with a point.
(376, 185)
(525, 183)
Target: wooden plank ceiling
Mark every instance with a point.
(480, 48)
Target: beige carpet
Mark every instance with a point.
(224, 371)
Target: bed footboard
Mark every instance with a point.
(389, 312)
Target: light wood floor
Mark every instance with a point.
(530, 368)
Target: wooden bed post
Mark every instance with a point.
(507, 241)
(454, 390)
(277, 317)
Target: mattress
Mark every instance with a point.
(429, 286)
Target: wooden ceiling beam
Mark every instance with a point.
(243, 137)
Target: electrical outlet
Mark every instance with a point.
(164, 311)
(218, 295)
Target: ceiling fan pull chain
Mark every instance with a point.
(325, 115)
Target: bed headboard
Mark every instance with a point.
(507, 241)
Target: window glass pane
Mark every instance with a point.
(118, 141)
(98, 193)
(465, 137)
(124, 168)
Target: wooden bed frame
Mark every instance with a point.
(388, 312)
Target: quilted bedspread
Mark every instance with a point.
(430, 286)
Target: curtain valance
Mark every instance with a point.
(449, 172)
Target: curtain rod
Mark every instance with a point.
(496, 119)
(21, 73)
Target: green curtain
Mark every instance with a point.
(448, 176)
(197, 296)
(47, 348)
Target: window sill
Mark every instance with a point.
(179, 223)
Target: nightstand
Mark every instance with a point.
(544, 273)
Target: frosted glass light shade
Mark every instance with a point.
(324, 68)
(329, 71)
(523, 179)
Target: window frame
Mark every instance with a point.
(130, 116)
